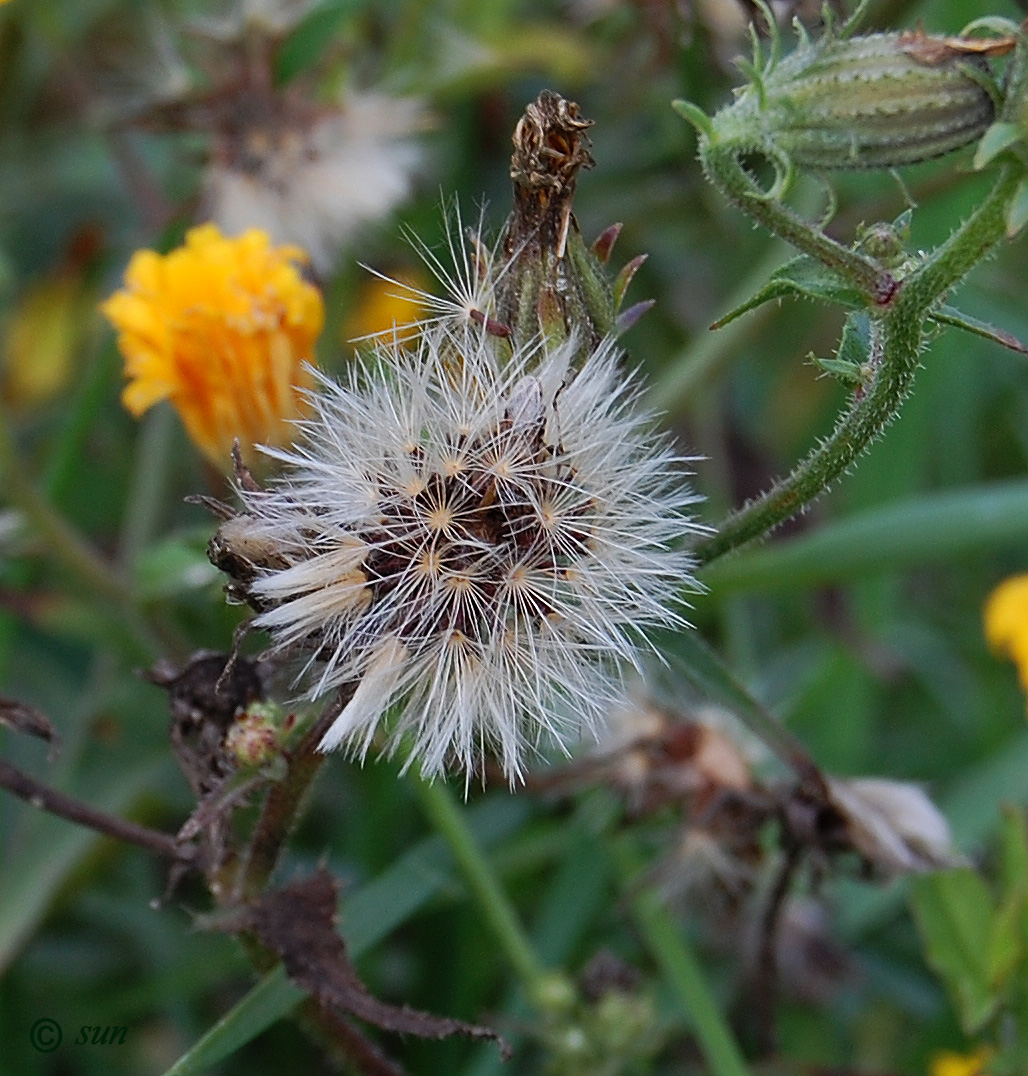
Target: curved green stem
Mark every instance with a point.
(896, 338)
(720, 162)
(485, 888)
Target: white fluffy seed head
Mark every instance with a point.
(478, 544)
(317, 183)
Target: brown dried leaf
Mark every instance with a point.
(932, 50)
(298, 923)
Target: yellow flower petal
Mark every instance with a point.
(948, 1063)
(221, 327)
(1006, 622)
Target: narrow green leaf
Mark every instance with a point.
(802, 277)
(1010, 926)
(1013, 851)
(997, 138)
(1006, 942)
(954, 913)
(948, 315)
(916, 532)
(308, 41)
(1017, 211)
(367, 917)
(695, 115)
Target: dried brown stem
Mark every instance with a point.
(64, 806)
(765, 971)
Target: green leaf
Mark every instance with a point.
(805, 278)
(954, 913)
(696, 116)
(1013, 851)
(1006, 942)
(948, 315)
(1010, 927)
(912, 533)
(367, 917)
(850, 362)
(174, 566)
(309, 40)
(997, 138)
(1017, 211)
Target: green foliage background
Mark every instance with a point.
(858, 625)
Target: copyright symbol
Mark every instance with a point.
(45, 1035)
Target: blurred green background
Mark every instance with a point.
(864, 639)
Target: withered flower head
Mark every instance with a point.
(477, 543)
(314, 176)
(300, 165)
(893, 824)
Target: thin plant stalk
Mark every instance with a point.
(284, 803)
(447, 819)
(682, 970)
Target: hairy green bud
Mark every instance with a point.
(877, 101)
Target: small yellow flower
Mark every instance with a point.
(1006, 622)
(40, 342)
(221, 328)
(947, 1063)
(382, 305)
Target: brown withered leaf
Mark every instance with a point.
(932, 50)
(298, 923)
(19, 717)
(204, 697)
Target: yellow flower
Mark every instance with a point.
(44, 333)
(221, 328)
(947, 1063)
(1006, 622)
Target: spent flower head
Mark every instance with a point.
(476, 541)
(314, 176)
(476, 529)
(224, 330)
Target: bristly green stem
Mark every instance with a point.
(672, 953)
(896, 340)
(444, 814)
(721, 165)
(284, 803)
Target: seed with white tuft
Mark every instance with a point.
(477, 544)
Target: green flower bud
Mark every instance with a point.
(878, 101)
